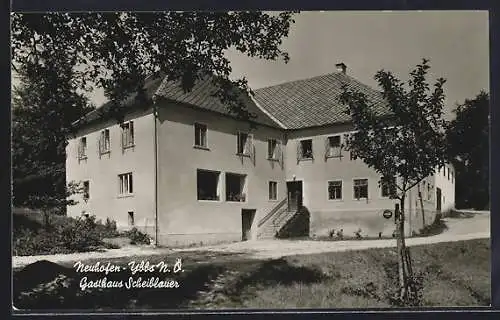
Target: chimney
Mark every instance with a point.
(341, 67)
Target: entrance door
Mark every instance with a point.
(438, 199)
(294, 189)
(247, 216)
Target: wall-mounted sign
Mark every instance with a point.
(387, 214)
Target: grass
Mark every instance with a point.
(455, 274)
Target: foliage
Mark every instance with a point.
(59, 235)
(468, 141)
(137, 237)
(61, 56)
(407, 143)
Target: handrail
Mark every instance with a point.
(272, 212)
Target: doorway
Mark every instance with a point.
(247, 216)
(294, 191)
(438, 200)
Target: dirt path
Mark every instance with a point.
(475, 227)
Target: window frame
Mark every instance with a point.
(128, 181)
(196, 126)
(218, 191)
(302, 157)
(382, 188)
(82, 148)
(128, 130)
(277, 145)
(102, 141)
(246, 151)
(243, 192)
(269, 183)
(367, 189)
(329, 153)
(341, 189)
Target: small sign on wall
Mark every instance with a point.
(387, 214)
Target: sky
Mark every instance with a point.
(456, 42)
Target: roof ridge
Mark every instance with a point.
(299, 80)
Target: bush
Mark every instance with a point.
(137, 237)
(61, 236)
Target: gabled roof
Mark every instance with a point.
(292, 105)
(314, 101)
(201, 96)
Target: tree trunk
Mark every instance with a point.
(401, 249)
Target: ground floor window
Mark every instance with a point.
(235, 187)
(131, 218)
(273, 190)
(360, 188)
(208, 185)
(334, 190)
(86, 190)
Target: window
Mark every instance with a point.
(244, 144)
(82, 148)
(273, 190)
(86, 190)
(448, 174)
(208, 185)
(128, 134)
(388, 186)
(126, 184)
(131, 218)
(335, 190)
(429, 191)
(200, 135)
(272, 149)
(360, 189)
(305, 149)
(235, 187)
(353, 156)
(333, 147)
(104, 145)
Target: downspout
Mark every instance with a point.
(155, 116)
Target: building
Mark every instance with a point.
(183, 169)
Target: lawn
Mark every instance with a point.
(454, 274)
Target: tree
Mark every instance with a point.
(468, 141)
(408, 143)
(61, 56)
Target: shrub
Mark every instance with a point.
(358, 234)
(137, 237)
(340, 234)
(331, 234)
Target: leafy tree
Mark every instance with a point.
(468, 141)
(407, 144)
(60, 56)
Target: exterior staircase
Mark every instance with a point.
(276, 219)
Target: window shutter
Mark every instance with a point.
(238, 141)
(327, 147)
(279, 153)
(299, 151)
(123, 137)
(131, 133)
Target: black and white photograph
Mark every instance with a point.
(250, 160)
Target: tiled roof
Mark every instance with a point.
(315, 101)
(292, 105)
(201, 96)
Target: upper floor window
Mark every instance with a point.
(244, 144)
(200, 135)
(305, 149)
(388, 186)
(360, 189)
(429, 191)
(333, 147)
(128, 134)
(82, 148)
(335, 190)
(104, 144)
(125, 184)
(273, 149)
